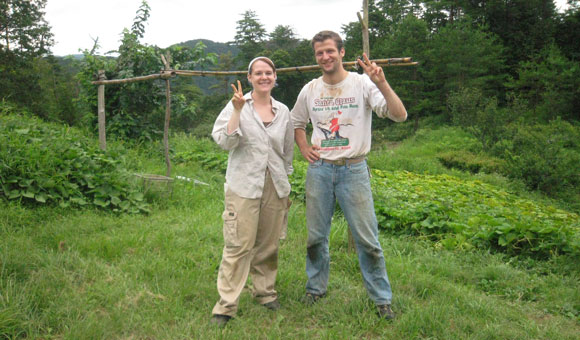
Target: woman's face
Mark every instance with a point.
(263, 77)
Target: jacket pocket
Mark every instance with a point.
(230, 228)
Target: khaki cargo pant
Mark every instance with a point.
(252, 230)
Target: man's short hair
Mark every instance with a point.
(324, 35)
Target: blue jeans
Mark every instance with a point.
(350, 185)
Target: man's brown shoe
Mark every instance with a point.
(385, 312)
(310, 299)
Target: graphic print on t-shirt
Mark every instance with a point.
(331, 124)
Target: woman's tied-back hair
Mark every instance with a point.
(323, 35)
(264, 59)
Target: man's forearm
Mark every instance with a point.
(300, 138)
(394, 103)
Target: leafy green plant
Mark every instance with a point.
(45, 163)
(298, 180)
(467, 214)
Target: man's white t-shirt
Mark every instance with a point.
(340, 115)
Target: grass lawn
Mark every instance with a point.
(89, 274)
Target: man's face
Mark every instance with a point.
(328, 56)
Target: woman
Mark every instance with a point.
(259, 135)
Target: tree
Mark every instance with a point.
(58, 89)
(439, 13)
(460, 55)
(568, 31)
(409, 39)
(282, 37)
(550, 83)
(250, 34)
(23, 30)
(524, 26)
(24, 37)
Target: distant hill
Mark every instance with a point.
(218, 48)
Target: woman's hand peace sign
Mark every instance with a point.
(238, 99)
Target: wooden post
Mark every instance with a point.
(364, 21)
(101, 112)
(415, 96)
(167, 114)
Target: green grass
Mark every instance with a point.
(154, 276)
(89, 274)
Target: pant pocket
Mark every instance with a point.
(284, 231)
(230, 228)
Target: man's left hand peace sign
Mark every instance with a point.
(372, 70)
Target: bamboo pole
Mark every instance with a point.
(349, 64)
(165, 74)
(167, 115)
(101, 112)
(162, 75)
(364, 21)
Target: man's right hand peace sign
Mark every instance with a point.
(238, 99)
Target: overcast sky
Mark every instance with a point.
(75, 23)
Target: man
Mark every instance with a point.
(341, 100)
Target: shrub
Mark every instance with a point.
(477, 114)
(546, 157)
(393, 132)
(43, 163)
